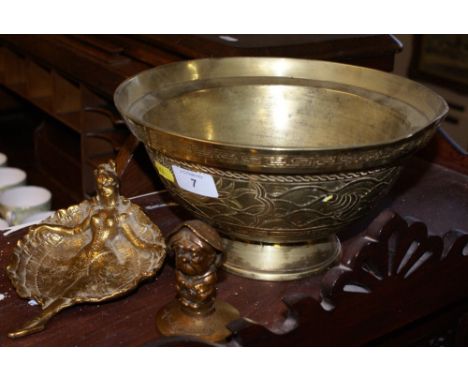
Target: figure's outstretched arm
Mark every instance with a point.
(63, 229)
(133, 238)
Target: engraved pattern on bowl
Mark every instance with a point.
(282, 208)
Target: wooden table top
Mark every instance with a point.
(428, 192)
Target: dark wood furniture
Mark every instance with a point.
(440, 59)
(71, 80)
(401, 280)
(377, 295)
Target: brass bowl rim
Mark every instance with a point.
(278, 149)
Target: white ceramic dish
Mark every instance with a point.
(11, 177)
(3, 224)
(3, 160)
(17, 203)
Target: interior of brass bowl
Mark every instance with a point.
(279, 106)
(290, 114)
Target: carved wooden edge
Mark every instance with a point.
(391, 251)
(391, 248)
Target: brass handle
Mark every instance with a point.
(196, 311)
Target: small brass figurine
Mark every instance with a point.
(90, 252)
(196, 312)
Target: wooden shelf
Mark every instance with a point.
(294, 312)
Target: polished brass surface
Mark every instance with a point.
(91, 252)
(296, 149)
(276, 262)
(275, 208)
(198, 252)
(172, 321)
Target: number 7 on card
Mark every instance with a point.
(196, 182)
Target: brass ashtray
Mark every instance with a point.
(278, 154)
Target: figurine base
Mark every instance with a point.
(171, 320)
(279, 262)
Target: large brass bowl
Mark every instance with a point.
(277, 154)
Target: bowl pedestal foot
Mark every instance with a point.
(279, 262)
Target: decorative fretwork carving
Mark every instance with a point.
(389, 276)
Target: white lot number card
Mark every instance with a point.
(196, 182)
